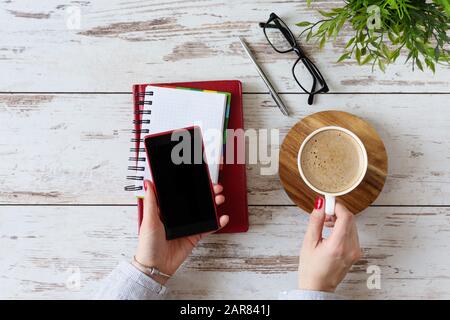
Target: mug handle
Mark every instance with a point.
(330, 202)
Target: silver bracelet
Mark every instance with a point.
(150, 270)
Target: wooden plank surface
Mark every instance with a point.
(123, 42)
(45, 245)
(73, 148)
(63, 156)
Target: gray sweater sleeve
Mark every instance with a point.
(128, 283)
(308, 295)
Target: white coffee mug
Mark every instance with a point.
(330, 198)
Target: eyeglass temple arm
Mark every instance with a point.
(316, 77)
(267, 25)
(311, 95)
(313, 71)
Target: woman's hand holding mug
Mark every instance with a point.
(332, 161)
(325, 262)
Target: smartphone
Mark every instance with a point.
(182, 182)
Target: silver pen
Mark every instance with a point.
(272, 91)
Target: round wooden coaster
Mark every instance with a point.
(369, 189)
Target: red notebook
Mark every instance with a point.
(232, 176)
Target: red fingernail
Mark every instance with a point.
(319, 203)
(145, 185)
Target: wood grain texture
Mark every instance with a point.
(40, 254)
(366, 192)
(123, 42)
(70, 149)
(73, 148)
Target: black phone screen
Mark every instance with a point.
(182, 182)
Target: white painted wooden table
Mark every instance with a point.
(65, 112)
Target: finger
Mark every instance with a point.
(343, 225)
(330, 220)
(355, 236)
(316, 220)
(356, 248)
(223, 221)
(218, 188)
(220, 199)
(151, 211)
(329, 224)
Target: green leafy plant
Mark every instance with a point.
(383, 28)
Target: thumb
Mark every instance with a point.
(151, 212)
(316, 222)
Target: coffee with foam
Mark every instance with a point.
(332, 161)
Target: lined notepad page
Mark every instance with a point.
(174, 108)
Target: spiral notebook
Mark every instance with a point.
(171, 108)
(232, 176)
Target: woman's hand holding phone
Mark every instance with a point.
(153, 249)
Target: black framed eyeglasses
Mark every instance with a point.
(305, 73)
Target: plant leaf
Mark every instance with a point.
(358, 55)
(303, 24)
(323, 27)
(367, 59)
(409, 57)
(417, 27)
(395, 54)
(381, 65)
(331, 29)
(419, 64)
(340, 24)
(327, 14)
(436, 53)
(309, 35)
(349, 43)
(362, 36)
(430, 64)
(386, 52)
(322, 42)
(392, 38)
(345, 56)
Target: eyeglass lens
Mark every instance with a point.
(305, 77)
